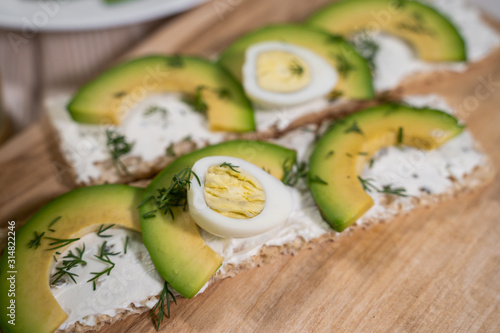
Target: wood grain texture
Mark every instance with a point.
(435, 270)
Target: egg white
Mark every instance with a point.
(277, 206)
(324, 76)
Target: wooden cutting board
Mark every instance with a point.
(435, 270)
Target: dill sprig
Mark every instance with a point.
(173, 196)
(160, 306)
(103, 229)
(230, 166)
(118, 146)
(344, 67)
(57, 243)
(354, 128)
(368, 186)
(296, 69)
(36, 242)
(400, 136)
(54, 222)
(399, 191)
(223, 93)
(154, 109)
(196, 101)
(126, 245)
(293, 172)
(103, 256)
(367, 47)
(416, 24)
(175, 61)
(170, 150)
(330, 154)
(70, 261)
(316, 179)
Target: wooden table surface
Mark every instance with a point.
(435, 270)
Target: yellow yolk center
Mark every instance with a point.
(233, 192)
(282, 72)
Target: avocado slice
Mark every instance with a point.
(81, 211)
(179, 253)
(355, 80)
(108, 98)
(337, 162)
(431, 34)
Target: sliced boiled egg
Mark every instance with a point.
(235, 198)
(283, 74)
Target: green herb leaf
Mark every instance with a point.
(354, 128)
(173, 196)
(70, 261)
(126, 245)
(57, 243)
(296, 69)
(293, 172)
(400, 136)
(103, 229)
(36, 242)
(175, 61)
(316, 179)
(196, 101)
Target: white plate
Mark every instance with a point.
(32, 16)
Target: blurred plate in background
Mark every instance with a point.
(53, 15)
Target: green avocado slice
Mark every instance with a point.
(75, 213)
(430, 33)
(337, 161)
(178, 251)
(108, 98)
(355, 80)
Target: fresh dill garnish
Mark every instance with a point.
(160, 306)
(348, 155)
(368, 186)
(170, 150)
(120, 94)
(293, 172)
(54, 221)
(196, 101)
(173, 196)
(367, 47)
(103, 229)
(399, 191)
(329, 154)
(400, 136)
(416, 25)
(354, 128)
(175, 61)
(230, 166)
(117, 146)
(344, 67)
(36, 242)
(223, 93)
(187, 138)
(334, 94)
(296, 69)
(154, 109)
(69, 261)
(103, 256)
(57, 243)
(126, 245)
(316, 179)
(370, 164)
(54, 256)
(334, 39)
(150, 214)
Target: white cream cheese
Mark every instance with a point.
(132, 281)
(395, 60)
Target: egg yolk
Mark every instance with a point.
(282, 72)
(233, 192)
